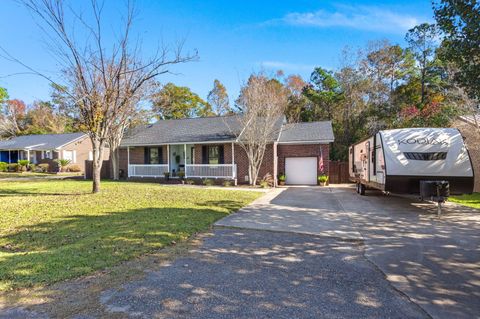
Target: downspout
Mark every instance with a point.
(128, 161)
(275, 164)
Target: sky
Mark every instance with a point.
(232, 38)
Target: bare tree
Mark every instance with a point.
(104, 80)
(262, 102)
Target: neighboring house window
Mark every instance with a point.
(153, 155)
(47, 154)
(69, 155)
(212, 154)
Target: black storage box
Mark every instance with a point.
(434, 189)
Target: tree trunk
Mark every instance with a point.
(250, 174)
(114, 163)
(97, 164)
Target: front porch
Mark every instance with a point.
(216, 161)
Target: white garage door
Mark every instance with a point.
(301, 170)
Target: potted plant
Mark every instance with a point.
(281, 179)
(181, 175)
(166, 175)
(323, 179)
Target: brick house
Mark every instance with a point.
(208, 148)
(46, 148)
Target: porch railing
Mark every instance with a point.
(211, 170)
(148, 170)
(191, 170)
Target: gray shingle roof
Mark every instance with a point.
(307, 132)
(39, 142)
(219, 129)
(206, 129)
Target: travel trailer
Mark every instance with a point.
(400, 160)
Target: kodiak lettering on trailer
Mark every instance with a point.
(422, 141)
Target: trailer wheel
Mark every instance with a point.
(362, 189)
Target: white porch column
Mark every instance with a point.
(9, 157)
(28, 155)
(168, 157)
(185, 159)
(128, 161)
(234, 170)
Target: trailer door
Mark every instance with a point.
(367, 161)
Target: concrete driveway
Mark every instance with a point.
(434, 261)
(313, 252)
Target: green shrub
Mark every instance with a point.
(190, 181)
(323, 178)
(63, 163)
(207, 182)
(74, 168)
(32, 167)
(267, 181)
(3, 167)
(23, 164)
(282, 177)
(264, 184)
(181, 175)
(227, 183)
(43, 167)
(13, 167)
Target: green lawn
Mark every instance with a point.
(54, 230)
(472, 200)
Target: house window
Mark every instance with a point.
(47, 154)
(212, 154)
(69, 155)
(153, 155)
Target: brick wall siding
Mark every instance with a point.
(241, 160)
(306, 150)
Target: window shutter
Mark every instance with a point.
(160, 155)
(221, 158)
(146, 158)
(204, 154)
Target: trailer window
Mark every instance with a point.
(434, 156)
